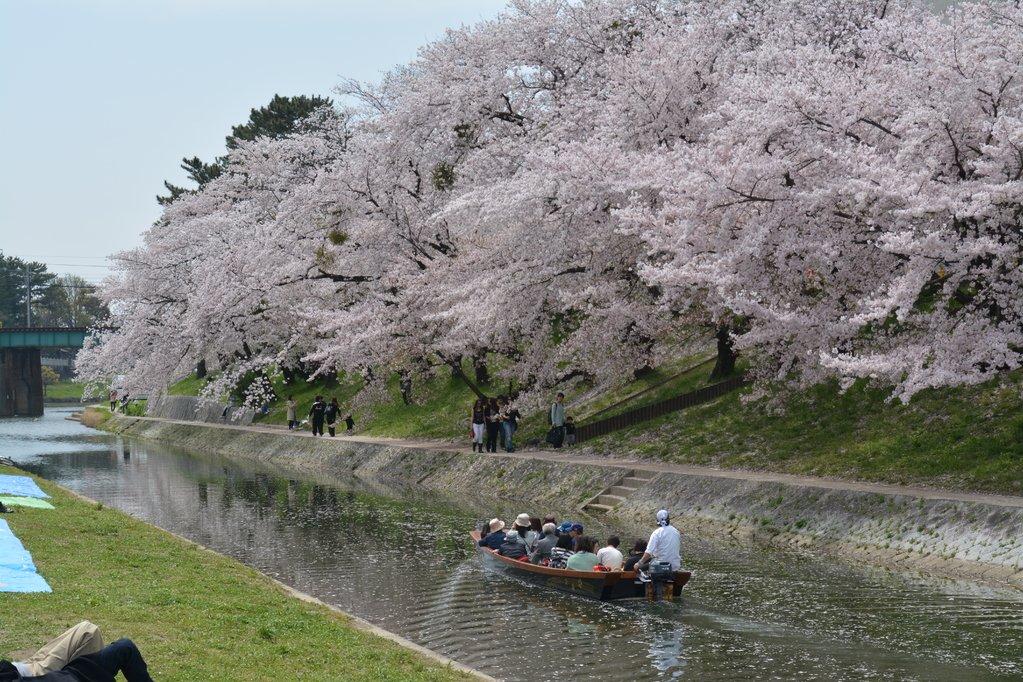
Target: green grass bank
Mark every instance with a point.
(968, 438)
(195, 615)
(64, 391)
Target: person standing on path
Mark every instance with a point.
(557, 418)
(316, 415)
(509, 423)
(292, 413)
(493, 413)
(478, 419)
(113, 401)
(330, 414)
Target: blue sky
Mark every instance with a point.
(100, 100)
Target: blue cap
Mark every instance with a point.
(565, 527)
(577, 527)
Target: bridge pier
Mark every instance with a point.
(21, 382)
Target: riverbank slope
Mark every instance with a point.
(942, 532)
(194, 614)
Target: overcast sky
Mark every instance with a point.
(100, 99)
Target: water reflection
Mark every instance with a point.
(400, 558)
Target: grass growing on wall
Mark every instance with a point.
(195, 615)
(970, 437)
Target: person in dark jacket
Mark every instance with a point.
(120, 657)
(548, 541)
(316, 415)
(330, 416)
(635, 554)
(514, 545)
(493, 413)
(495, 538)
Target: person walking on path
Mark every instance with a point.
(113, 401)
(292, 413)
(509, 424)
(493, 413)
(316, 415)
(478, 419)
(557, 419)
(330, 414)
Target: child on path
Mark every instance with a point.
(292, 413)
(331, 415)
(569, 431)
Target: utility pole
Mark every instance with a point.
(28, 297)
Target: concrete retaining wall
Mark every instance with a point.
(189, 408)
(965, 539)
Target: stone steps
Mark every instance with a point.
(613, 495)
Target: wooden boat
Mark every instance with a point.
(602, 585)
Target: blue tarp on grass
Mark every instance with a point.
(22, 486)
(17, 572)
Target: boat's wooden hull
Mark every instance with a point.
(605, 586)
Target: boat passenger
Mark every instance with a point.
(635, 554)
(536, 524)
(576, 532)
(565, 541)
(547, 542)
(514, 545)
(609, 556)
(550, 519)
(523, 524)
(665, 544)
(560, 556)
(495, 538)
(584, 559)
(565, 528)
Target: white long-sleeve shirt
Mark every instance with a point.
(666, 545)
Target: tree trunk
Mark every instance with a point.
(725, 364)
(456, 370)
(479, 365)
(405, 385)
(200, 369)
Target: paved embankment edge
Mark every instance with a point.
(352, 620)
(963, 535)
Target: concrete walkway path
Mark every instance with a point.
(566, 455)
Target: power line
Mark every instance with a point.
(39, 255)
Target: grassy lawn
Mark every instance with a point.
(63, 390)
(969, 438)
(440, 408)
(187, 386)
(195, 615)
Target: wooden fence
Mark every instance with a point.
(647, 412)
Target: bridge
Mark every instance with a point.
(21, 378)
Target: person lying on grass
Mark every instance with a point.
(78, 655)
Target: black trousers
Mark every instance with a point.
(330, 429)
(120, 657)
(492, 430)
(317, 427)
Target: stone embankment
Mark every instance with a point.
(190, 408)
(946, 533)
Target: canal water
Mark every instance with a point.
(401, 559)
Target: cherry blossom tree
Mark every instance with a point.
(832, 187)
